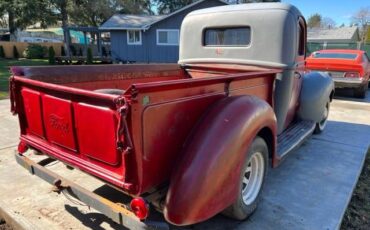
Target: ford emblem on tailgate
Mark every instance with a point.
(58, 123)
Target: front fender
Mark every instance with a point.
(206, 179)
(315, 94)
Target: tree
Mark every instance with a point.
(314, 21)
(95, 12)
(362, 19)
(90, 12)
(62, 51)
(328, 23)
(169, 6)
(27, 12)
(2, 53)
(61, 7)
(15, 52)
(89, 56)
(51, 55)
(135, 7)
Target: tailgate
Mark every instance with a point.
(81, 128)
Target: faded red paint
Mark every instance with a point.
(207, 186)
(136, 141)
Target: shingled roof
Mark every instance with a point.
(335, 34)
(127, 21)
(140, 22)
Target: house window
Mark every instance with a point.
(168, 37)
(238, 36)
(134, 37)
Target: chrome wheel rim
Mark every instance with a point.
(323, 122)
(253, 178)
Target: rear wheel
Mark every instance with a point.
(320, 126)
(251, 181)
(361, 91)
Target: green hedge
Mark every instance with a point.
(35, 51)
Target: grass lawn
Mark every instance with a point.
(4, 71)
(357, 215)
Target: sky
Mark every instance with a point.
(339, 10)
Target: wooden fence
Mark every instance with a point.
(78, 48)
(21, 46)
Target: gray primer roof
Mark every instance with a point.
(335, 34)
(250, 6)
(127, 21)
(274, 35)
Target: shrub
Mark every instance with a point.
(2, 53)
(89, 58)
(104, 51)
(34, 51)
(51, 56)
(15, 52)
(80, 53)
(73, 50)
(62, 51)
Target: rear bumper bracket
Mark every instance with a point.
(118, 213)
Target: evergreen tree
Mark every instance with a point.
(15, 52)
(2, 53)
(314, 21)
(62, 51)
(51, 56)
(89, 58)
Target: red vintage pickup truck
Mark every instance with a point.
(191, 139)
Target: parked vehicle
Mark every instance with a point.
(348, 68)
(193, 139)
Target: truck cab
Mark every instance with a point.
(269, 35)
(192, 139)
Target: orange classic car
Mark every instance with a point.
(348, 68)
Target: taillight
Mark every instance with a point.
(140, 207)
(352, 75)
(22, 147)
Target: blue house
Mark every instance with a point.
(149, 38)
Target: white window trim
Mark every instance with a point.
(168, 44)
(134, 43)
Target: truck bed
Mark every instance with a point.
(133, 140)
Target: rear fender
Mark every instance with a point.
(205, 181)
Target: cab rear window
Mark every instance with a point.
(237, 36)
(335, 55)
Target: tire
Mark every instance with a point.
(249, 197)
(110, 91)
(361, 91)
(320, 126)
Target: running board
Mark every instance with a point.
(294, 136)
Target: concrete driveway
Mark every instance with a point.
(309, 190)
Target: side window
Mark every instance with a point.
(301, 39)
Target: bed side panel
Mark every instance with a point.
(32, 108)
